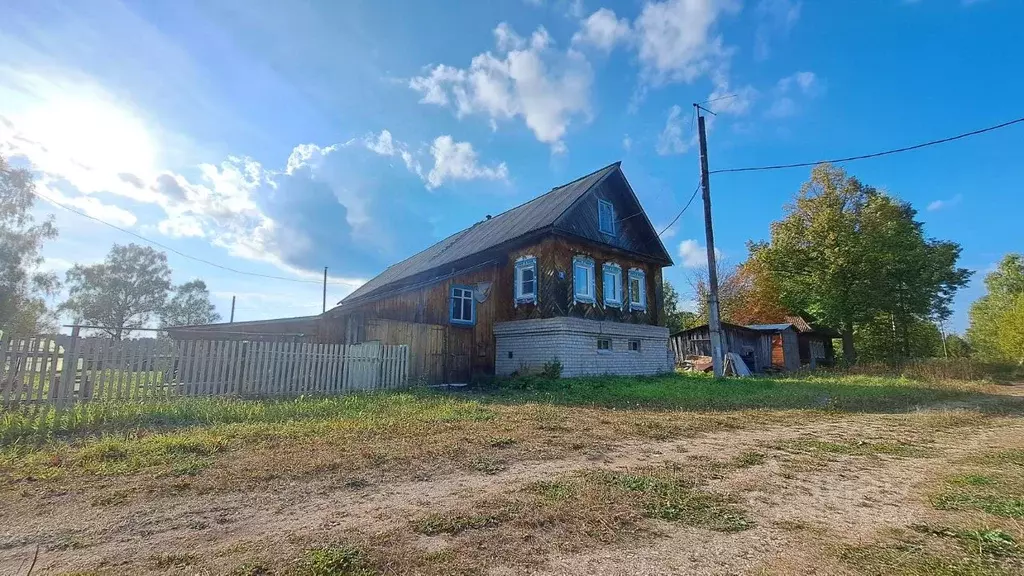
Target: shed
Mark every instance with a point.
(815, 342)
(784, 344)
(753, 346)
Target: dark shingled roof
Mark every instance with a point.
(534, 215)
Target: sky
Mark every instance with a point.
(279, 138)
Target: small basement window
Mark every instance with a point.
(604, 344)
(634, 345)
(463, 306)
(606, 217)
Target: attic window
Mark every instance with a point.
(606, 217)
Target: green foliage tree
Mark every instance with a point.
(189, 306)
(957, 346)
(849, 255)
(918, 338)
(992, 316)
(122, 293)
(1011, 331)
(22, 287)
(672, 317)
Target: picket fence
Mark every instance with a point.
(63, 369)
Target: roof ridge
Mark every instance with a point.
(559, 187)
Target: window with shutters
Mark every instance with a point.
(583, 279)
(526, 280)
(637, 289)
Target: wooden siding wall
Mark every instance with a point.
(555, 290)
(755, 349)
(469, 350)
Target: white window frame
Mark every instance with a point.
(629, 345)
(607, 350)
(614, 270)
(468, 293)
(587, 263)
(635, 302)
(526, 263)
(604, 204)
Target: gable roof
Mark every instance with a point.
(538, 214)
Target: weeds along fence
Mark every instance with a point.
(60, 370)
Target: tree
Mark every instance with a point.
(1011, 331)
(672, 317)
(746, 294)
(1004, 286)
(22, 287)
(881, 341)
(189, 306)
(849, 255)
(121, 294)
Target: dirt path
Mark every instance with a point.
(853, 498)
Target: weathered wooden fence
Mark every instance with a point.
(63, 369)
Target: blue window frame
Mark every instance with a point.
(606, 217)
(612, 284)
(637, 289)
(462, 308)
(583, 279)
(526, 280)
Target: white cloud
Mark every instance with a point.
(671, 139)
(803, 85)
(627, 143)
(385, 145)
(528, 79)
(694, 255)
(727, 100)
(777, 18)
(87, 204)
(458, 161)
(677, 40)
(940, 204)
(603, 30)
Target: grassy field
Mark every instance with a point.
(675, 474)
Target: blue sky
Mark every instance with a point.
(282, 137)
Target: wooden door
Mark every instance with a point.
(460, 355)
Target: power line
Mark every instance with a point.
(690, 201)
(178, 252)
(874, 155)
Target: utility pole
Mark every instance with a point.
(714, 322)
(232, 321)
(325, 290)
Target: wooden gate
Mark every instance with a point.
(426, 342)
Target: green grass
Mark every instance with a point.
(155, 415)
(992, 483)
(977, 552)
(702, 393)
(816, 447)
(334, 561)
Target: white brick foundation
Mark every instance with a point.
(526, 345)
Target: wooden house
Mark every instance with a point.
(572, 276)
